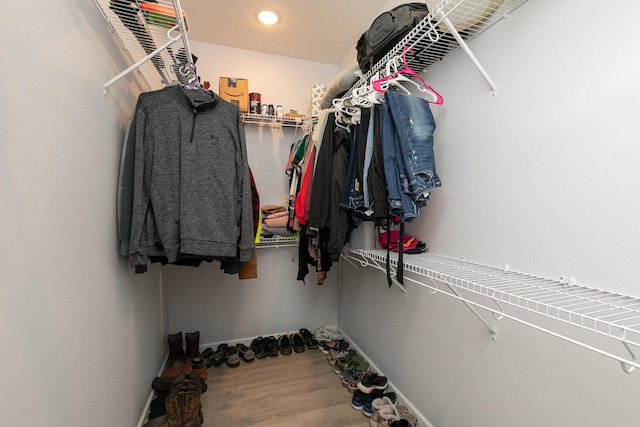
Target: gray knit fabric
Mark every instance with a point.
(191, 169)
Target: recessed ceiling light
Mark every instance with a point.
(267, 16)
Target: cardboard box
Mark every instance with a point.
(235, 91)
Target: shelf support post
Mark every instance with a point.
(142, 61)
(465, 47)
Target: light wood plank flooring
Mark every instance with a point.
(300, 389)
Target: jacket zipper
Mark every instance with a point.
(193, 125)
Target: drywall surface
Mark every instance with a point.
(82, 335)
(541, 178)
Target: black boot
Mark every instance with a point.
(176, 353)
(192, 340)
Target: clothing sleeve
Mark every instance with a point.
(125, 187)
(246, 243)
(138, 246)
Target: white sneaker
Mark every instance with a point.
(327, 334)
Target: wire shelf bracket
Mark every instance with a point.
(152, 37)
(601, 313)
(450, 24)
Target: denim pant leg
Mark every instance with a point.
(400, 203)
(415, 125)
(391, 173)
(368, 154)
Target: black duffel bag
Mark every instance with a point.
(387, 30)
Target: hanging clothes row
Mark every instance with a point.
(185, 188)
(368, 161)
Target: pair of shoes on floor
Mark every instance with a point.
(273, 349)
(207, 356)
(178, 354)
(335, 345)
(215, 358)
(259, 347)
(308, 338)
(371, 382)
(393, 416)
(344, 365)
(237, 352)
(326, 334)
(334, 356)
(372, 407)
(284, 344)
(297, 342)
(359, 399)
(351, 379)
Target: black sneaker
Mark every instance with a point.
(297, 342)
(272, 346)
(358, 400)
(259, 347)
(366, 405)
(371, 382)
(284, 343)
(308, 338)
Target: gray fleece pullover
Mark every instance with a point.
(191, 170)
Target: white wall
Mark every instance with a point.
(220, 306)
(542, 178)
(82, 337)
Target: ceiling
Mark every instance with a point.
(314, 30)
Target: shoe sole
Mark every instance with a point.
(369, 389)
(356, 407)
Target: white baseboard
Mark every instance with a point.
(145, 410)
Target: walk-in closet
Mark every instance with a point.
(521, 307)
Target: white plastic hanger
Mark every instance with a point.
(397, 76)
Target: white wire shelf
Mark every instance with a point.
(604, 313)
(276, 122)
(277, 242)
(151, 38)
(450, 25)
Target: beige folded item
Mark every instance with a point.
(278, 222)
(269, 209)
(277, 215)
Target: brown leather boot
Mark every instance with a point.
(176, 353)
(192, 340)
(183, 404)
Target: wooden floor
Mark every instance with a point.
(300, 389)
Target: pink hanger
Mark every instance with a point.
(377, 85)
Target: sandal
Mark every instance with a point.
(352, 378)
(207, 356)
(233, 359)
(354, 362)
(220, 354)
(246, 353)
(335, 345)
(334, 356)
